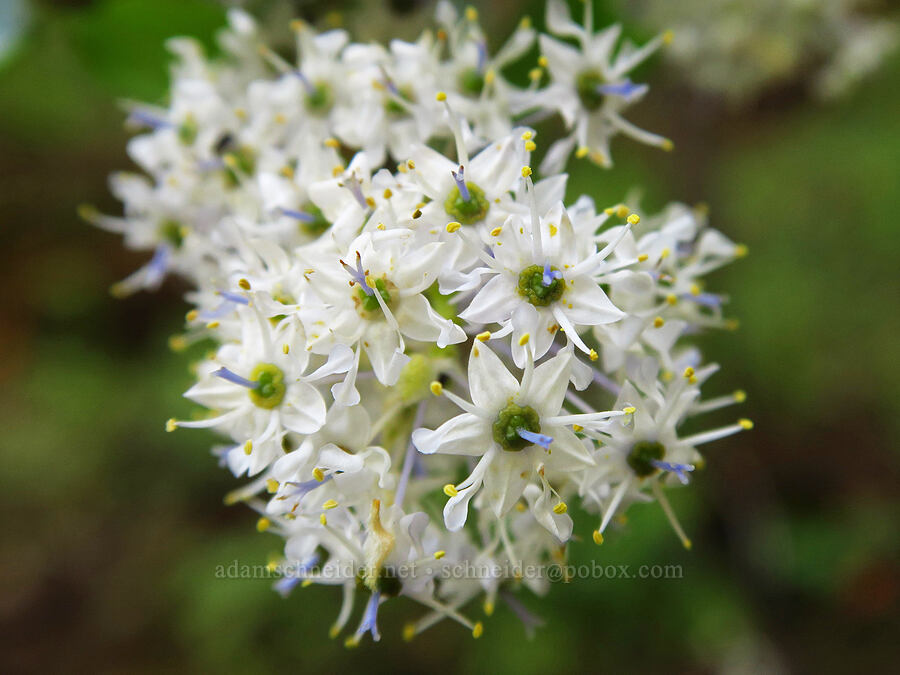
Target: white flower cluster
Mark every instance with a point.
(740, 48)
(395, 325)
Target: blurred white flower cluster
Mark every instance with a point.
(423, 354)
(740, 48)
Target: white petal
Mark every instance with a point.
(490, 383)
(303, 410)
(465, 434)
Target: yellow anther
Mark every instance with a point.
(745, 423)
(496, 231)
(450, 490)
(553, 230)
(667, 37)
(323, 519)
(280, 118)
(241, 113)
(285, 349)
(436, 388)
(527, 136)
(478, 630)
(286, 172)
(629, 410)
(471, 13)
(453, 226)
(271, 485)
(409, 631)
(337, 170)
(441, 96)
(330, 504)
(526, 171)
(695, 289)
(88, 212)
(318, 474)
(439, 554)
(542, 61)
(171, 425)
(248, 447)
(520, 507)
(192, 315)
(593, 355)
(667, 145)
(380, 226)
(741, 250)
(306, 583)
(622, 210)
(525, 22)
(370, 202)
(178, 343)
(484, 337)
(489, 607)
(643, 257)
(689, 372)
(490, 76)
(535, 73)
(687, 543)
(297, 25)
(598, 537)
(672, 299)
(740, 396)
(692, 379)
(263, 524)
(524, 339)
(560, 508)
(213, 325)
(634, 219)
(659, 322)
(410, 164)
(582, 152)
(664, 253)
(331, 142)
(732, 324)
(577, 427)
(530, 146)
(243, 283)
(351, 642)
(230, 161)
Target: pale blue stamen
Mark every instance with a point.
(302, 489)
(680, 470)
(355, 188)
(234, 297)
(159, 263)
(625, 89)
(370, 616)
(538, 439)
(358, 274)
(310, 89)
(226, 374)
(460, 178)
(148, 120)
(299, 215)
(481, 47)
(549, 274)
(294, 575)
(705, 299)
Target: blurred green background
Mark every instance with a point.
(112, 529)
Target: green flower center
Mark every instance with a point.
(243, 162)
(467, 211)
(187, 131)
(318, 224)
(368, 304)
(172, 232)
(512, 418)
(270, 391)
(642, 456)
(394, 107)
(471, 81)
(531, 286)
(320, 98)
(586, 83)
